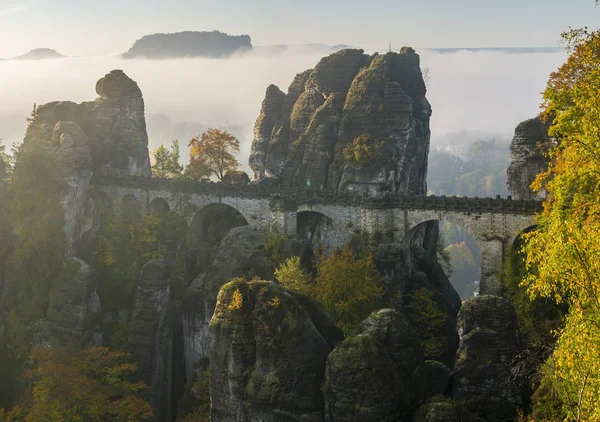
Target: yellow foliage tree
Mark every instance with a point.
(212, 154)
(565, 250)
(292, 276)
(349, 288)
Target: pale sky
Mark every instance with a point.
(88, 27)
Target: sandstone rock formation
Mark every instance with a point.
(528, 158)
(412, 274)
(114, 125)
(151, 335)
(104, 137)
(489, 341)
(302, 135)
(240, 253)
(73, 309)
(267, 357)
(213, 44)
(372, 375)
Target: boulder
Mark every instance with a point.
(528, 158)
(240, 253)
(372, 376)
(151, 335)
(267, 355)
(489, 342)
(440, 409)
(348, 95)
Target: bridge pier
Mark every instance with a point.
(492, 257)
(283, 218)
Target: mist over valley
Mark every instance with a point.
(475, 94)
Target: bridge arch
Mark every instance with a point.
(458, 219)
(315, 226)
(130, 209)
(464, 252)
(222, 215)
(525, 226)
(159, 207)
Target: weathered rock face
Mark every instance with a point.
(75, 163)
(267, 356)
(151, 335)
(107, 137)
(371, 376)
(426, 295)
(302, 135)
(528, 158)
(74, 309)
(242, 251)
(489, 341)
(114, 125)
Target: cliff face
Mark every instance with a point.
(527, 158)
(114, 125)
(374, 104)
(213, 44)
(106, 137)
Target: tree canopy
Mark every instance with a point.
(212, 154)
(563, 255)
(80, 385)
(166, 162)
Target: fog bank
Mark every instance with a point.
(478, 94)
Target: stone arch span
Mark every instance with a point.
(205, 231)
(492, 247)
(465, 252)
(130, 209)
(316, 227)
(159, 207)
(460, 220)
(219, 214)
(527, 225)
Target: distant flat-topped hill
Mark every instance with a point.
(213, 44)
(40, 54)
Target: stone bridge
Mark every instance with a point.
(493, 223)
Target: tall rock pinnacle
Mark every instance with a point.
(354, 122)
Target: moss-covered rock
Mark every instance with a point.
(441, 409)
(244, 252)
(267, 355)
(375, 375)
(489, 342)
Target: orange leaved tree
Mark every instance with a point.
(212, 154)
(80, 385)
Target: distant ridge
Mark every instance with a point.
(509, 50)
(39, 54)
(213, 44)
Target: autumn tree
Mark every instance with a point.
(350, 288)
(212, 154)
(166, 162)
(80, 385)
(563, 254)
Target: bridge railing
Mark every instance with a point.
(327, 196)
